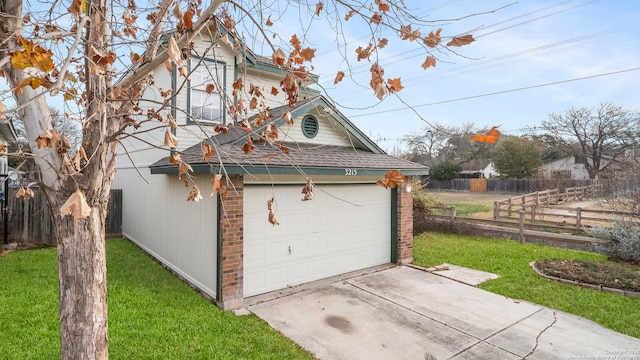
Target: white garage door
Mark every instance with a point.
(345, 228)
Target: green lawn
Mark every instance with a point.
(511, 260)
(152, 314)
(466, 210)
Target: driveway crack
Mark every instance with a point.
(540, 334)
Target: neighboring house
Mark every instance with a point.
(478, 168)
(567, 167)
(7, 135)
(226, 247)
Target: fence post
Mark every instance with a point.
(537, 197)
(533, 213)
(578, 217)
(496, 210)
(509, 207)
(453, 213)
(521, 226)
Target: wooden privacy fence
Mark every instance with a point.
(478, 185)
(30, 220)
(514, 186)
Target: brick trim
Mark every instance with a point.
(405, 223)
(231, 257)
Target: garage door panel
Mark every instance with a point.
(315, 239)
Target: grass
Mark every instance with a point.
(465, 210)
(517, 280)
(152, 314)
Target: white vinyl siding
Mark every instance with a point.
(345, 228)
(330, 132)
(180, 234)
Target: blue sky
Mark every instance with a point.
(526, 63)
(528, 44)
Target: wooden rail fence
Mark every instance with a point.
(521, 231)
(537, 207)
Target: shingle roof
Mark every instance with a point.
(317, 158)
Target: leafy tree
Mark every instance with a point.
(516, 157)
(98, 55)
(446, 171)
(600, 136)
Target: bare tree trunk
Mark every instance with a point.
(82, 279)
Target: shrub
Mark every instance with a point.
(446, 171)
(623, 241)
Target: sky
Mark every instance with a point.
(530, 59)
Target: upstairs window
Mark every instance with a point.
(206, 101)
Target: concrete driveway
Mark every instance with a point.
(406, 313)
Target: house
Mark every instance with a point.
(7, 135)
(225, 246)
(478, 168)
(565, 167)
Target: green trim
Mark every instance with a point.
(286, 170)
(235, 97)
(297, 184)
(394, 225)
(224, 85)
(174, 89)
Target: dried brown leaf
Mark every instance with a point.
(433, 39)
(279, 57)
(461, 40)
(184, 169)
(429, 62)
(217, 186)
(194, 194)
(48, 138)
(339, 77)
(169, 139)
(207, 151)
(391, 179)
(307, 190)
(272, 215)
(76, 206)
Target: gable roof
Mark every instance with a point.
(8, 131)
(312, 159)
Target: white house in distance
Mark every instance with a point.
(7, 135)
(226, 247)
(566, 167)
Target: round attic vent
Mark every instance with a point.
(310, 126)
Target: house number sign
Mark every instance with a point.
(350, 172)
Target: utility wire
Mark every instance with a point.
(499, 92)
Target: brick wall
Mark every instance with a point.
(232, 245)
(405, 223)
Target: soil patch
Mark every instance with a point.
(609, 274)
